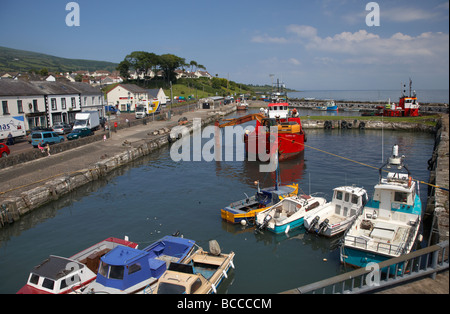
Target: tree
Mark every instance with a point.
(124, 68)
(169, 63)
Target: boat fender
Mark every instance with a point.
(287, 229)
(243, 222)
(224, 273)
(213, 287)
(232, 264)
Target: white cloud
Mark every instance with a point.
(265, 39)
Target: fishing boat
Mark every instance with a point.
(336, 216)
(60, 275)
(331, 106)
(389, 224)
(246, 209)
(287, 214)
(202, 273)
(243, 105)
(290, 135)
(127, 270)
(408, 106)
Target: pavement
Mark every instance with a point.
(23, 177)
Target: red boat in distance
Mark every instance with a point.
(408, 106)
(291, 137)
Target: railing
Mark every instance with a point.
(424, 262)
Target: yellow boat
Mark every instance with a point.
(246, 209)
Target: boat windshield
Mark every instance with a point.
(111, 271)
(168, 288)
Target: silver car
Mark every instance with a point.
(61, 128)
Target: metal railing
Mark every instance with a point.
(423, 262)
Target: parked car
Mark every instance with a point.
(79, 133)
(4, 150)
(45, 137)
(36, 129)
(62, 128)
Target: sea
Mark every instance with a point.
(157, 196)
(423, 96)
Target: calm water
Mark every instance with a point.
(424, 96)
(156, 196)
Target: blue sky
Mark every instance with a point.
(322, 44)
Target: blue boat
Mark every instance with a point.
(127, 271)
(331, 106)
(389, 224)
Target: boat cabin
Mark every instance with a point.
(278, 110)
(348, 200)
(56, 275)
(124, 267)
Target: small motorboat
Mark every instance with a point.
(288, 214)
(126, 270)
(246, 209)
(337, 216)
(60, 275)
(202, 273)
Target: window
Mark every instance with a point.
(47, 135)
(19, 106)
(347, 197)
(354, 199)
(337, 210)
(53, 101)
(400, 197)
(339, 195)
(34, 279)
(5, 107)
(134, 268)
(35, 105)
(74, 104)
(63, 103)
(116, 272)
(48, 283)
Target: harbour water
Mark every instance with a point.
(423, 96)
(156, 196)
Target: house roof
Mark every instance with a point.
(131, 88)
(23, 88)
(18, 88)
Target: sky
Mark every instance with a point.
(308, 45)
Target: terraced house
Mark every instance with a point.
(43, 103)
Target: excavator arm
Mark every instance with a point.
(240, 120)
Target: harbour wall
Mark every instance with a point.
(438, 194)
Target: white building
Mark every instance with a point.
(126, 97)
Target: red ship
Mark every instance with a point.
(290, 136)
(408, 106)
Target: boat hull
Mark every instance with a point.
(289, 146)
(282, 228)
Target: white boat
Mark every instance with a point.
(288, 213)
(337, 216)
(389, 224)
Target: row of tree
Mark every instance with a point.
(143, 62)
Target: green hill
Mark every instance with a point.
(13, 60)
